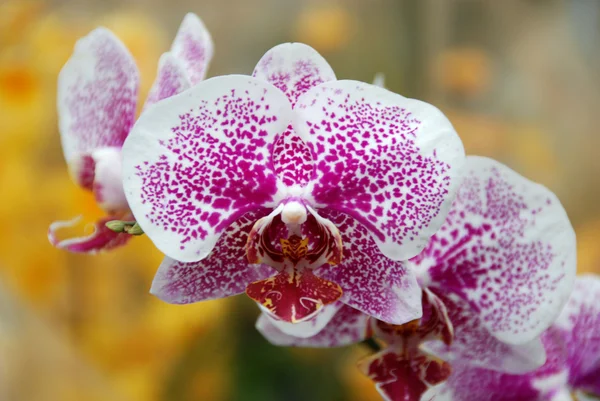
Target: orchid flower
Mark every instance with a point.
(263, 184)
(503, 264)
(97, 102)
(572, 370)
(402, 371)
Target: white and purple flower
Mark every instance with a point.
(264, 183)
(97, 102)
(572, 369)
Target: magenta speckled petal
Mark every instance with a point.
(508, 248)
(101, 239)
(307, 328)
(171, 79)
(198, 161)
(372, 283)
(392, 163)
(108, 181)
(193, 45)
(580, 324)
(474, 344)
(294, 68)
(469, 383)
(223, 273)
(292, 159)
(97, 94)
(348, 326)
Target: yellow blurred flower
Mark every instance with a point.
(588, 249)
(481, 135)
(324, 27)
(465, 71)
(16, 17)
(534, 155)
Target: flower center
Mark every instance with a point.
(294, 240)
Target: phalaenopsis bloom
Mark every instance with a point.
(297, 188)
(97, 102)
(503, 265)
(572, 369)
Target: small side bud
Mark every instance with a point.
(117, 226)
(129, 227)
(135, 229)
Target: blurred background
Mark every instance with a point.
(518, 79)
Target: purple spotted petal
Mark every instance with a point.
(579, 323)
(198, 161)
(390, 162)
(307, 328)
(294, 68)
(292, 159)
(223, 273)
(372, 283)
(193, 45)
(508, 248)
(171, 79)
(101, 238)
(474, 344)
(469, 383)
(348, 326)
(97, 94)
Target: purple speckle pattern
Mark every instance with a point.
(579, 323)
(201, 160)
(292, 159)
(389, 161)
(223, 273)
(474, 344)
(171, 79)
(507, 247)
(572, 346)
(193, 45)
(468, 383)
(372, 283)
(348, 326)
(294, 68)
(97, 94)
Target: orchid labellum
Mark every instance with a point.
(299, 189)
(97, 102)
